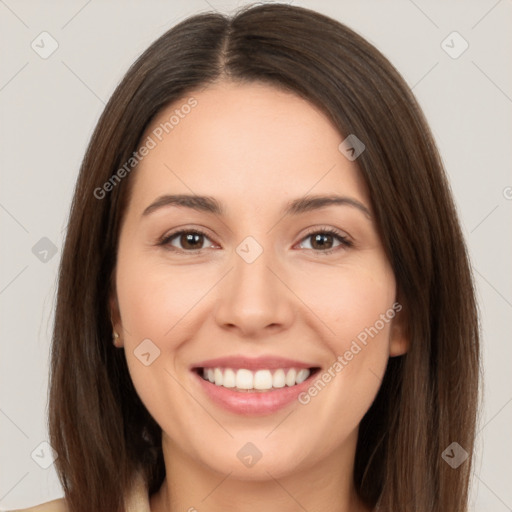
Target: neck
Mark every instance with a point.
(192, 486)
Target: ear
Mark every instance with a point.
(399, 339)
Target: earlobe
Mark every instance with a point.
(399, 339)
(398, 347)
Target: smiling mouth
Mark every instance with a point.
(259, 381)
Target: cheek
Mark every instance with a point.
(349, 299)
(154, 300)
(155, 304)
(165, 305)
(355, 305)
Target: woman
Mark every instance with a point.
(265, 300)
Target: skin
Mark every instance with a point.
(253, 148)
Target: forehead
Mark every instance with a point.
(245, 144)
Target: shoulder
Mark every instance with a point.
(50, 506)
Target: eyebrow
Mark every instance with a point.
(295, 207)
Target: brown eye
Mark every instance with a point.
(326, 241)
(185, 241)
(322, 241)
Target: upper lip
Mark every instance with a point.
(252, 363)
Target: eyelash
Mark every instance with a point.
(345, 242)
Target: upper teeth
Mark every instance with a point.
(260, 379)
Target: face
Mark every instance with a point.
(288, 307)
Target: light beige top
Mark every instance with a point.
(137, 500)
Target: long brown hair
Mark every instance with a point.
(99, 427)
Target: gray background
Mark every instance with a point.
(50, 106)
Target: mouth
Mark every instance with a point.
(244, 380)
(249, 387)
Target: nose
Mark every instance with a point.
(253, 298)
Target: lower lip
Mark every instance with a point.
(253, 402)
